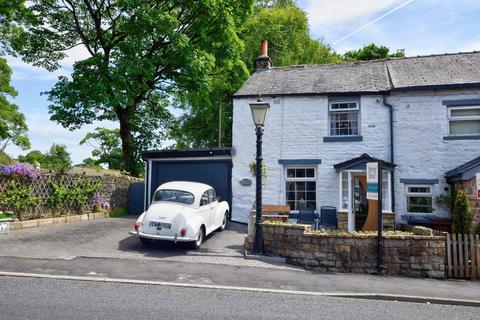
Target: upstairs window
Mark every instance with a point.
(419, 199)
(464, 121)
(344, 118)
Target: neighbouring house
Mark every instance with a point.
(420, 115)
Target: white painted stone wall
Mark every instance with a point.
(295, 128)
(420, 123)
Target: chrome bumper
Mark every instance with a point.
(159, 237)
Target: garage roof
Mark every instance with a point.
(187, 153)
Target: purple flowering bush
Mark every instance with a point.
(98, 203)
(19, 170)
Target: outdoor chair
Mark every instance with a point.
(307, 216)
(328, 218)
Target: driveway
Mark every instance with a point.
(109, 238)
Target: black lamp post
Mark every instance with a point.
(259, 112)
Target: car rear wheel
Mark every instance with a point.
(200, 236)
(146, 242)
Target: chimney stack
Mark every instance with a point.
(263, 61)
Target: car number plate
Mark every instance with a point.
(160, 225)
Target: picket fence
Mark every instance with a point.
(463, 256)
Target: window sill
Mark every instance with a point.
(476, 137)
(342, 138)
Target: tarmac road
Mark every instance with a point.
(31, 298)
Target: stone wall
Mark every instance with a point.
(413, 256)
(115, 190)
(470, 189)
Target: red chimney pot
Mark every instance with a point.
(264, 47)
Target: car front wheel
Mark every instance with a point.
(224, 222)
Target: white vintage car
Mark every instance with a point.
(182, 211)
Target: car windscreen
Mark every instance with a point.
(174, 196)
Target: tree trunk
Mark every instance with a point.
(127, 142)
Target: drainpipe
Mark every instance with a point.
(392, 158)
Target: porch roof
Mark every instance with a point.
(465, 171)
(359, 163)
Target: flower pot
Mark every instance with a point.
(5, 225)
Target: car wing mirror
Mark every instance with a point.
(219, 199)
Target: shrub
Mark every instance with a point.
(461, 215)
(17, 194)
(477, 230)
(118, 212)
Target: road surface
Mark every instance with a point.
(32, 298)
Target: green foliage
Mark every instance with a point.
(286, 28)
(461, 215)
(372, 52)
(107, 147)
(207, 109)
(446, 200)
(13, 129)
(252, 167)
(58, 197)
(18, 197)
(81, 191)
(57, 159)
(34, 157)
(118, 212)
(139, 53)
(76, 195)
(89, 163)
(5, 158)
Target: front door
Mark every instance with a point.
(360, 202)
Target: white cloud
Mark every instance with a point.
(25, 71)
(330, 13)
(43, 133)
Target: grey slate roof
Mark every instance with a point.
(377, 76)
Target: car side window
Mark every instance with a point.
(204, 199)
(211, 196)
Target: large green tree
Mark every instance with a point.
(372, 52)
(139, 53)
(207, 117)
(13, 129)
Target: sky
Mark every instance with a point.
(419, 26)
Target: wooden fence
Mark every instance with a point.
(463, 256)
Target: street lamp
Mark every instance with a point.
(259, 112)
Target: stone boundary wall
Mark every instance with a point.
(413, 256)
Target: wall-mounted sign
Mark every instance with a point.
(477, 176)
(372, 180)
(246, 182)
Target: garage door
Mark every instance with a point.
(216, 173)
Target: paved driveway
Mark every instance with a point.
(110, 238)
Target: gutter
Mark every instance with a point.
(392, 154)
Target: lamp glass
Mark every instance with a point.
(259, 112)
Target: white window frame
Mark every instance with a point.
(306, 179)
(430, 194)
(336, 111)
(462, 118)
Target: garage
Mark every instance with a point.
(210, 166)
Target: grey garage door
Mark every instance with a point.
(216, 173)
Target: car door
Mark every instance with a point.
(205, 211)
(217, 217)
